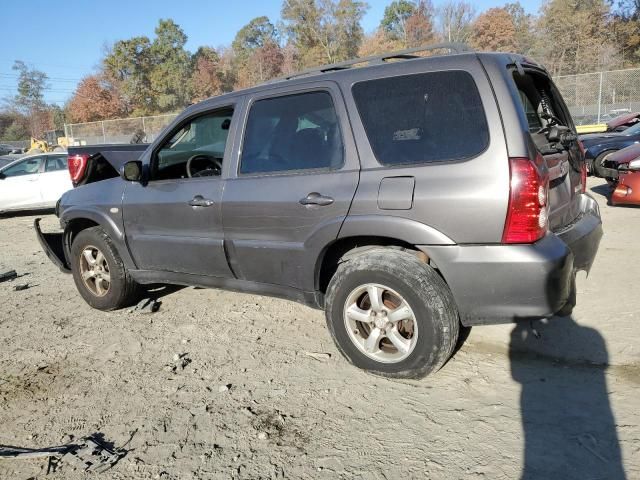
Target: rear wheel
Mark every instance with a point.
(98, 271)
(391, 314)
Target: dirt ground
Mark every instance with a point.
(227, 385)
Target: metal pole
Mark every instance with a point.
(104, 137)
(600, 99)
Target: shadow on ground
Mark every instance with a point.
(604, 190)
(569, 427)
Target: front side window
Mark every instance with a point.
(195, 150)
(423, 118)
(28, 166)
(293, 132)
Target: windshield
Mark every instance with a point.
(632, 130)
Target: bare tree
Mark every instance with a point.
(454, 20)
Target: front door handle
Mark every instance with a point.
(314, 198)
(200, 201)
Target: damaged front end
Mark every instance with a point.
(622, 172)
(626, 190)
(53, 246)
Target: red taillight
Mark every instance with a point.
(527, 215)
(583, 176)
(583, 167)
(77, 165)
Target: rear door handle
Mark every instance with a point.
(314, 198)
(200, 201)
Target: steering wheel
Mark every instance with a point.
(207, 172)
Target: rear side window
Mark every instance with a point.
(293, 132)
(423, 118)
(56, 163)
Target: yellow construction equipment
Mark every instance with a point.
(54, 141)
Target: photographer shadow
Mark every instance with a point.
(569, 427)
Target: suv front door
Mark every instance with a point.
(173, 219)
(297, 172)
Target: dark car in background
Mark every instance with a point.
(599, 146)
(6, 149)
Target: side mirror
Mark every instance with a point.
(132, 171)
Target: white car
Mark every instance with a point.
(34, 182)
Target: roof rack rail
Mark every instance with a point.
(407, 54)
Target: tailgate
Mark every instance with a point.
(553, 133)
(565, 185)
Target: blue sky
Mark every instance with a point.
(66, 38)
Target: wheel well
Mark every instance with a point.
(74, 227)
(330, 258)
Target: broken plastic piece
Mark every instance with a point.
(10, 275)
(90, 454)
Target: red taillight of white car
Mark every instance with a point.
(528, 212)
(77, 166)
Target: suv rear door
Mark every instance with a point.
(543, 107)
(297, 172)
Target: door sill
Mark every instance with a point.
(311, 299)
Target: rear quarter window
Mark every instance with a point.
(423, 118)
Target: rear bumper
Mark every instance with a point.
(53, 246)
(505, 283)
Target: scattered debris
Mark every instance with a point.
(263, 436)
(22, 286)
(180, 361)
(321, 357)
(224, 388)
(6, 276)
(148, 305)
(90, 454)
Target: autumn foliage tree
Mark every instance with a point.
(95, 99)
(494, 31)
(206, 79)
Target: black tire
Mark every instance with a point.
(421, 287)
(123, 290)
(597, 163)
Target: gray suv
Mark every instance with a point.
(406, 198)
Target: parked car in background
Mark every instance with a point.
(404, 198)
(621, 169)
(618, 123)
(599, 145)
(34, 182)
(6, 149)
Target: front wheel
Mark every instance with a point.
(98, 271)
(598, 163)
(391, 314)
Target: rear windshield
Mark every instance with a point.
(423, 118)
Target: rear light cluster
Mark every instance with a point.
(77, 166)
(583, 176)
(528, 212)
(583, 167)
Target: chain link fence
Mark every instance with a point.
(121, 130)
(591, 98)
(599, 97)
